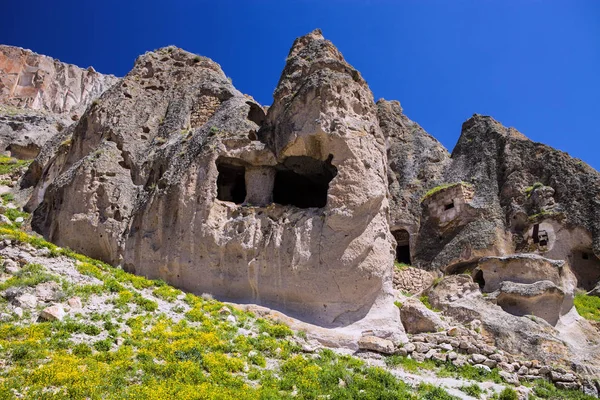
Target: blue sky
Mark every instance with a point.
(531, 64)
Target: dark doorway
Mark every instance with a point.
(231, 182)
(402, 246)
(303, 182)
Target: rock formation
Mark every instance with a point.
(175, 174)
(303, 207)
(40, 96)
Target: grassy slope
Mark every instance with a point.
(138, 349)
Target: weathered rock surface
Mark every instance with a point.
(165, 176)
(416, 164)
(572, 339)
(528, 197)
(412, 280)
(40, 96)
(417, 318)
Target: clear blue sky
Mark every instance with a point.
(531, 64)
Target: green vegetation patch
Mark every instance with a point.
(9, 164)
(588, 306)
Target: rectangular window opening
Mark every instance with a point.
(231, 183)
(449, 206)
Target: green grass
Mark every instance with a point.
(9, 164)
(409, 364)
(588, 306)
(473, 390)
(546, 390)
(150, 356)
(425, 300)
(428, 391)
(29, 275)
(400, 266)
(529, 190)
(508, 394)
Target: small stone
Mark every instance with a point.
(512, 379)
(18, 312)
(48, 291)
(341, 383)
(26, 301)
(231, 319)
(528, 364)
(409, 347)
(478, 358)
(487, 350)
(453, 331)
(475, 324)
(497, 357)
(459, 361)
(224, 311)
(589, 388)
(558, 377)
(452, 355)
(490, 363)
(53, 313)
(430, 354)
(523, 370)
(419, 357)
(11, 266)
(401, 351)
(19, 220)
(423, 347)
(75, 303)
(544, 370)
(484, 367)
(376, 344)
(5, 317)
(445, 346)
(506, 367)
(439, 357)
(567, 385)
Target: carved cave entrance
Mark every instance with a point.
(586, 267)
(402, 246)
(298, 181)
(303, 182)
(231, 183)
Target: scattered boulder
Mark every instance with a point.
(26, 301)
(75, 303)
(376, 344)
(416, 318)
(53, 313)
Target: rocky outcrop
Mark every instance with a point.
(416, 164)
(40, 96)
(528, 198)
(175, 174)
(32, 81)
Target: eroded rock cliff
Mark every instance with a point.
(40, 96)
(175, 174)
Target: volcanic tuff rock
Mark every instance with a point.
(39, 96)
(177, 175)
